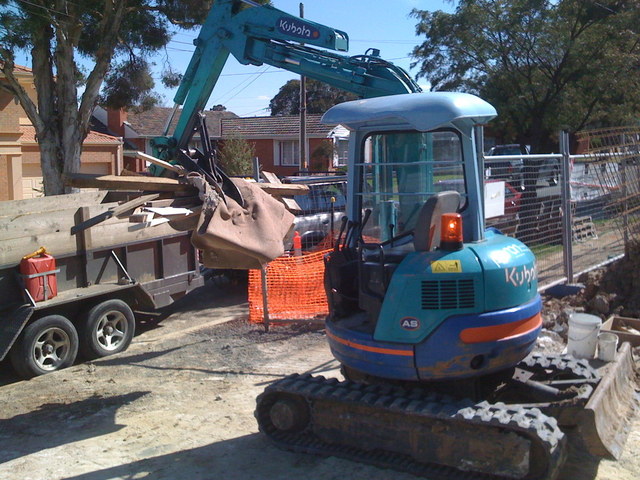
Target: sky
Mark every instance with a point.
(246, 90)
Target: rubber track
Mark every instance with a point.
(561, 363)
(528, 422)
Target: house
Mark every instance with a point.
(275, 139)
(277, 142)
(138, 129)
(20, 173)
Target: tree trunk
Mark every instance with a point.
(61, 124)
(51, 162)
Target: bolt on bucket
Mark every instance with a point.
(583, 335)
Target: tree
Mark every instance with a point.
(236, 156)
(320, 97)
(544, 65)
(116, 36)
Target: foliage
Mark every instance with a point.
(544, 65)
(128, 83)
(236, 156)
(322, 155)
(320, 97)
(114, 38)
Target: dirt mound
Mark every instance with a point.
(608, 291)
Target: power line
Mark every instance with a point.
(248, 82)
(50, 10)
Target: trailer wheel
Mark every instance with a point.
(107, 329)
(48, 344)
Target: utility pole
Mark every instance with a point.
(304, 163)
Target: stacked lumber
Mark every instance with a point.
(152, 201)
(87, 221)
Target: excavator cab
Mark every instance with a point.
(406, 301)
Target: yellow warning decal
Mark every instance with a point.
(446, 266)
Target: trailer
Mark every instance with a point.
(108, 269)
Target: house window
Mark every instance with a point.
(342, 151)
(287, 153)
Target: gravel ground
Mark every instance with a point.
(179, 405)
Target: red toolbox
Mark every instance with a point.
(39, 276)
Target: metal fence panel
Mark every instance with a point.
(576, 212)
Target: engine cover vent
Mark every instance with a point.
(447, 294)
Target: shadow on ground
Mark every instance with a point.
(55, 424)
(242, 458)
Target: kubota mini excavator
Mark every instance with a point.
(432, 316)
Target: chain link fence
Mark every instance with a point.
(576, 212)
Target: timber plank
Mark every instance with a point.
(60, 222)
(116, 211)
(283, 189)
(50, 204)
(12, 250)
(270, 177)
(115, 182)
(289, 203)
(161, 163)
(103, 236)
(114, 231)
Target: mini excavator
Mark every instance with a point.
(433, 316)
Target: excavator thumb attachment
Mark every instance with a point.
(605, 421)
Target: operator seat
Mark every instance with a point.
(375, 272)
(426, 233)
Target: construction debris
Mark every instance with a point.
(255, 230)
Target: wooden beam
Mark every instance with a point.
(134, 203)
(289, 203)
(161, 163)
(270, 177)
(14, 208)
(114, 182)
(284, 189)
(117, 212)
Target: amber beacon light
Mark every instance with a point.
(451, 231)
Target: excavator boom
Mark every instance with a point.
(262, 34)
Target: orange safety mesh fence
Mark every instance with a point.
(295, 289)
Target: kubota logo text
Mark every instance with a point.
(518, 276)
(297, 28)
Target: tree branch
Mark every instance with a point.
(109, 27)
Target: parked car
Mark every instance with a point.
(319, 215)
(520, 171)
(509, 170)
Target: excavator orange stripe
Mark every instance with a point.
(500, 332)
(367, 348)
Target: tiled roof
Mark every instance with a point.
(21, 69)
(151, 123)
(93, 138)
(269, 127)
(96, 126)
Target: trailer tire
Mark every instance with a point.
(105, 329)
(48, 344)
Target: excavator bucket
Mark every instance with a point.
(605, 421)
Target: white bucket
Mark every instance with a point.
(583, 335)
(607, 346)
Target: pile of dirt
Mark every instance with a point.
(608, 291)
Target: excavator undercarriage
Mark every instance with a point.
(518, 431)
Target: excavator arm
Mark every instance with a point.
(261, 35)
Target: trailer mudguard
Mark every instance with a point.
(12, 321)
